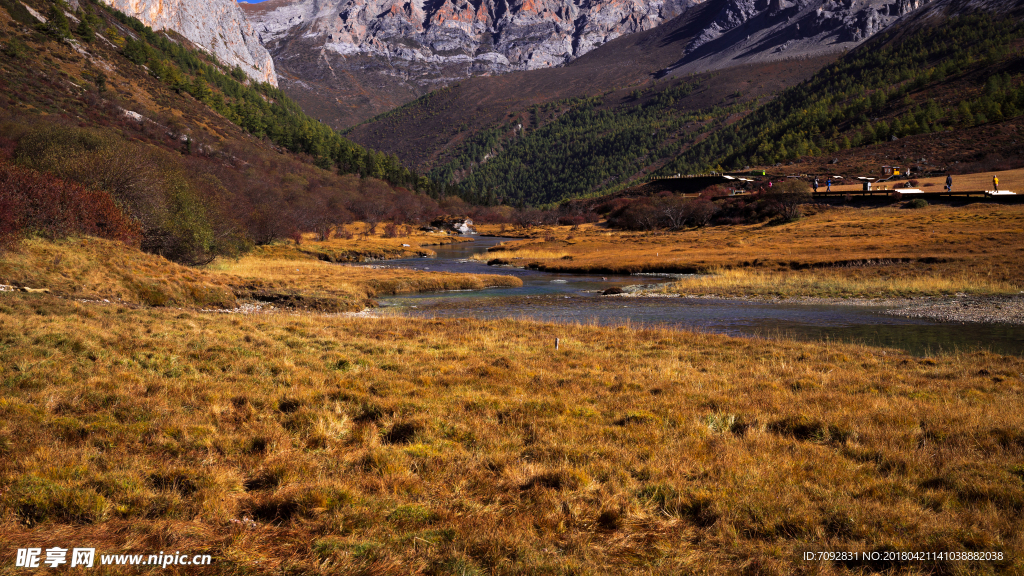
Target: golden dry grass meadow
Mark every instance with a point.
(298, 440)
(832, 252)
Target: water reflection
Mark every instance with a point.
(575, 298)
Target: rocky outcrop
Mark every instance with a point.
(218, 26)
(457, 38)
(751, 31)
(345, 61)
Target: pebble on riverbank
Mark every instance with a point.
(993, 310)
(960, 308)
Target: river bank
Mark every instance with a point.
(846, 252)
(289, 440)
(958, 308)
(281, 275)
(993, 310)
(737, 304)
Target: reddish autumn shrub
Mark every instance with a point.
(6, 148)
(35, 203)
(612, 205)
(640, 214)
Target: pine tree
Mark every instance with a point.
(58, 25)
(85, 31)
(135, 50)
(200, 89)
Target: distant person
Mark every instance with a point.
(815, 184)
(769, 185)
(995, 183)
(828, 185)
(949, 183)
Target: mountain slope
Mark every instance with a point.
(924, 75)
(750, 31)
(347, 61)
(930, 79)
(484, 36)
(217, 26)
(450, 129)
(420, 131)
(689, 43)
(202, 162)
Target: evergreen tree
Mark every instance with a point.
(135, 50)
(200, 90)
(57, 25)
(84, 30)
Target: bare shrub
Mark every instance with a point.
(675, 210)
(641, 214)
(31, 202)
(701, 211)
(324, 230)
(97, 160)
(784, 201)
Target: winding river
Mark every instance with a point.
(571, 298)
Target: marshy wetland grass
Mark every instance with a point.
(310, 443)
(297, 441)
(282, 274)
(832, 252)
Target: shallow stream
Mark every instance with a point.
(576, 298)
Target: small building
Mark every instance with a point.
(891, 170)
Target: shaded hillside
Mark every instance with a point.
(598, 123)
(195, 156)
(943, 77)
(585, 146)
(418, 131)
(421, 131)
(748, 32)
(968, 143)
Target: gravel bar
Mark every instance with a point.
(991, 309)
(958, 308)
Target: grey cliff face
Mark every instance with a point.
(218, 26)
(748, 31)
(347, 60)
(459, 38)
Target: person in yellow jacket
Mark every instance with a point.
(995, 183)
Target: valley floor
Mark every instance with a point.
(832, 252)
(308, 442)
(313, 443)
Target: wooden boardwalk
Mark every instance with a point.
(910, 194)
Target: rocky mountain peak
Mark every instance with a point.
(427, 38)
(218, 26)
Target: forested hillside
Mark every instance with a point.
(575, 147)
(963, 74)
(201, 160)
(261, 109)
(960, 75)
